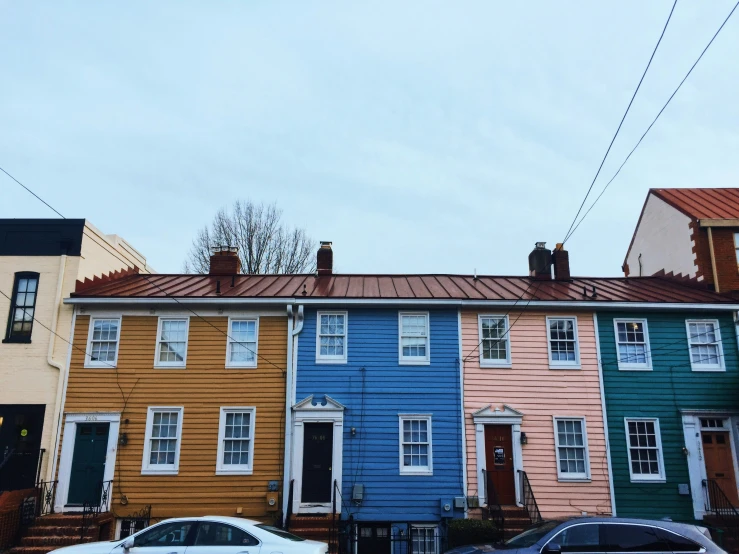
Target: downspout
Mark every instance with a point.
(461, 410)
(713, 261)
(605, 415)
(55, 451)
(56, 414)
(294, 327)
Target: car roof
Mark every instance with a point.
(222, 519)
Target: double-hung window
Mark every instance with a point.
(424, 539)
(331, 344)
(236, 440)
(564, 351)
(414, 337)
(495, 350)
(102, 342)
(415, 444)
(171, 342)
(644, 447)
(242, 343)
(22, 307)
(571, 444)
(704, 340)
(163, 438)
(632, 344)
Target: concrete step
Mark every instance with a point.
(31, 549)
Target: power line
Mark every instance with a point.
(29, 190)
(633, 96)
(572, 232)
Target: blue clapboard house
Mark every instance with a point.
(377, 428)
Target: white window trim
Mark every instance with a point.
(493, 363)
(183, 363)
(661, 478)
(721, 366)
(560, 364)
(98, 364)
(584, 477)
(633, 366)
(161, 469)
(435, 528)
(332, 359)
(418, 470)
(414, 360)
(229, 341)
(233, 469)
(736, 249)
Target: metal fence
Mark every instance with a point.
(384, 538)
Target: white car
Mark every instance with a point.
(204, 535)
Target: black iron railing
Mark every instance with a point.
(91, 510)
(135, 522)
(718, 503)
(333, 534)
(40, 463)
(527, 496)
(356, 536)
(493, 510)
(46, 494)
(289, 513)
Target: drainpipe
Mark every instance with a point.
(50, 356)
(713, 261)
(605, 416)
(294, 327)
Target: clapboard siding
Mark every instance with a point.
(671, 386)
(375, 389)
(540, 393)
(202, 388)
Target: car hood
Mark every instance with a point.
(479, 549)
(103, 547)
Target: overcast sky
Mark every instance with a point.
(417, 136)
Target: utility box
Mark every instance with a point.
(459, 503)
(473, 501)
(273, 502)
(446, 506)
(358, 493)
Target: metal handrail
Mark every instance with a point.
(289, 513)
(718, 503)
(529, 501)
(46, 491)
(492, 502)
(91, 510)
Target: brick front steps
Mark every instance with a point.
(54, 531)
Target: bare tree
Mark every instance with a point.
(266, 245)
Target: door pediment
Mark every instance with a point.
(315, 404)
(497, 415)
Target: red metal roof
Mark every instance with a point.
(399, 287)
(703, 203)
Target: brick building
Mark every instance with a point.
(691, 233)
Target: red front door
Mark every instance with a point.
(499, 462)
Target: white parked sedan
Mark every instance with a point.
(204, 535)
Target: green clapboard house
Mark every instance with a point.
(671, 389)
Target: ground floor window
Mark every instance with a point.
(424, 540)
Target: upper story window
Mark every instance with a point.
(235, 440)
(331, 344)
(414, 338)
(162, 443)
(632, 344)
(564, 350)
(22, 307)
(495, 350)
(704, 340)
(644, 447)
(171, 342)
(571, 443)
(102, 342)
(242, 343)
(415, 444)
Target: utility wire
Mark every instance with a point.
(29, 190)
(572, 232)
(633, 96)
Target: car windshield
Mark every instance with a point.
(532, 535)
(280, 533)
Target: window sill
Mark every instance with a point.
(708, 369)
(241, 366)
(426, 473)
(634, 368)
(335, 361)
(101, 366)
(574, 479)
(488, 365)
(234, 471)
(16, 341)
(159, 471)
(414, 362)
(160, 366)
(565, 366)
(648, 481)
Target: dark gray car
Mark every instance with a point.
(604, 536)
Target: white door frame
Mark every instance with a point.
(496, 416)
(307, 411)
(65, 461)
(694, 451)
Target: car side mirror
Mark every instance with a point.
(552, 548)
(127, 544)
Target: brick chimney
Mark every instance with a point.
(224, 260)
(561, 260)
(540, 262)
(325, 259)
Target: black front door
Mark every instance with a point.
(317, 453)
(88, 463)
(20, 443)
(374, 538)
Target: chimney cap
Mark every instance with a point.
(541, 244)
(326, 244)
(216, 248)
